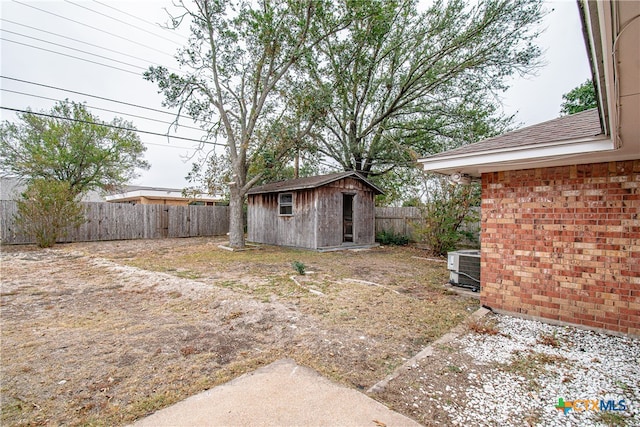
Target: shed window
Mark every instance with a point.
(285, 203)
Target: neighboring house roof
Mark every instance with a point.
(614, 134)
(133, 192)
(310, 182)
(130, 188)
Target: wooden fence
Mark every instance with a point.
(402, 220)
(397, 220)
(120, 221)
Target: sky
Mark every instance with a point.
(95, 52)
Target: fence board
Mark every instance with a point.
(398, 220)
(120, 221)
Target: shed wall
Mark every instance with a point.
(265, 225)
(563, 244)
(317, 216)
(330, 205)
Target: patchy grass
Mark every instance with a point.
(92, 342)
(612, 419)
(549, 339)
(534, 365)
(483, 327)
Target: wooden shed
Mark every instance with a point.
(320, 212)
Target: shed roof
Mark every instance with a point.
(311, 182)
(575, 126)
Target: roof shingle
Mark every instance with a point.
(309, 182)
(580, 125)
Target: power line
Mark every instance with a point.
(101, 109)
(140, 19)
(93, 28)
(71, 56)
(92, 96)
(122, 22)
(74, 49)
(169, 146)
(74, 40)
(17, 110)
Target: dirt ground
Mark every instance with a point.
(104, 333)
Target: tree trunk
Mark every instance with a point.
(236, 218)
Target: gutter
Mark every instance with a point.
(581, 146)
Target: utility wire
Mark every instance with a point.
(122, 22)
(101, 109)
(75, 40)
(17, 110)
(140, 19)
(93, 28)
(71, 56)
(74, 49)
(169, 146)
(92, 96)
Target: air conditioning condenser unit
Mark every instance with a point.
(464, 269)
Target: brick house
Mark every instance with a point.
(560, 237)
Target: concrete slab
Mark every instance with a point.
(280, 394)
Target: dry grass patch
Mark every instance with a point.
(105, 333)
(483, 326)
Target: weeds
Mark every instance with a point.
(299, 267)
(549, 339)
(625, 387)
(454, 369)
(390, 238)
(188, 350)
(483, 327)
(612, 419)
(532, 365)
(197, 341)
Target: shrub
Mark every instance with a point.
(386, 237)
(448, 207)
(299, 267)
(46, 209)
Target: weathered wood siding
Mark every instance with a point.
(330, 206)
(317, 216)
(120, 221)
(266, 225)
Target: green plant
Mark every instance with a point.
(68, 143)
(612, 419)
(299, 267)
(579, 99)
(448, 208)
(387, 237)
(46, 210)
(454, 369)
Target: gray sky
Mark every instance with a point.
(45, 44)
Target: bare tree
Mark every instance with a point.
(238, 74)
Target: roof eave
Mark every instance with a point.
(157, 195)
(475, 163)
(328, 180)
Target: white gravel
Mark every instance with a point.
(584, 365)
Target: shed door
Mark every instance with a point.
(347, 217)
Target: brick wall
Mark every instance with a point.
(563, 244)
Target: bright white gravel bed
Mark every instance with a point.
(584, 365)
